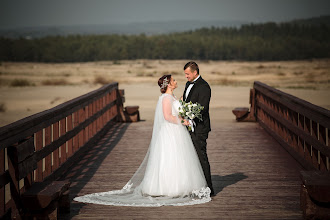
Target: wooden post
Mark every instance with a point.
(81, 133)
(38, 146)
(322, 138)
(63, 147)
(86, 135)
(104, 119)
(34, 144)
(299, 126)
(75, 138)
(55, 152)
(48, 159)
(243, 114)
(90, 114)
(107, 98)
(98, 107)
(14, 187)
(70, 142)
(94, 122)
(2, 189)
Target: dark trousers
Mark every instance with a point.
(199, 141)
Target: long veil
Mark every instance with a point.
(132, 194)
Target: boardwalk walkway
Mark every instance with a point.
(253, 176)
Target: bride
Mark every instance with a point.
(170, 173)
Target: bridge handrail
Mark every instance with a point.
(40, 147)
(301, 127)
(9, 134)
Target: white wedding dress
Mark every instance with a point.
(170, 173)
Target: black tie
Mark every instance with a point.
(189, 83)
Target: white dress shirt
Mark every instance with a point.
(190, 87)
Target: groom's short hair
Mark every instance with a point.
(193, 66)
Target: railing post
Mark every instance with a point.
(2, 187)
(55, 152)
(70, 142)
(87, 137)
(90, 126)
(63, 147)
(81, 133)
(75, 138)
(39, 146)
(42, 146)
(303, 130)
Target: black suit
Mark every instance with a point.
(201, 93)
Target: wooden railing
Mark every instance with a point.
(41, 147)
(299, 126)
(303, 130)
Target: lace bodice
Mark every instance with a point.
(175, 107)
(170, 106)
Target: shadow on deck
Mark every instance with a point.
(255, 166)
(253, 176)
(82, 172)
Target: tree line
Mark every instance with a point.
(268, 41)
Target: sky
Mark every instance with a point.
(34, 13)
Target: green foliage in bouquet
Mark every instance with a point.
(189, 110)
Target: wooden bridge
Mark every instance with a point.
(255, 166)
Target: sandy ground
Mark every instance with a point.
(22, 102)
(224, 99)
(312, 74)
(53, 84)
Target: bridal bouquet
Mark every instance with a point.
(189, 110)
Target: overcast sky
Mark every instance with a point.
(23, 13)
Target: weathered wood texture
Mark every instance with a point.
(244, 114)
(253, 176)
(40, 147)
(315, 194)
(299, 126)
(303, 130)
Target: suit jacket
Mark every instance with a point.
(201, 93)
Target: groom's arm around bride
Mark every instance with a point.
(198, 90)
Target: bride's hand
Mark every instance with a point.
(186, 122)
(181, 98)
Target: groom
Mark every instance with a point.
(198, 90)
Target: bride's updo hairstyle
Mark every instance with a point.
(163, 82)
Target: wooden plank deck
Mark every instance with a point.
(253, 176)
